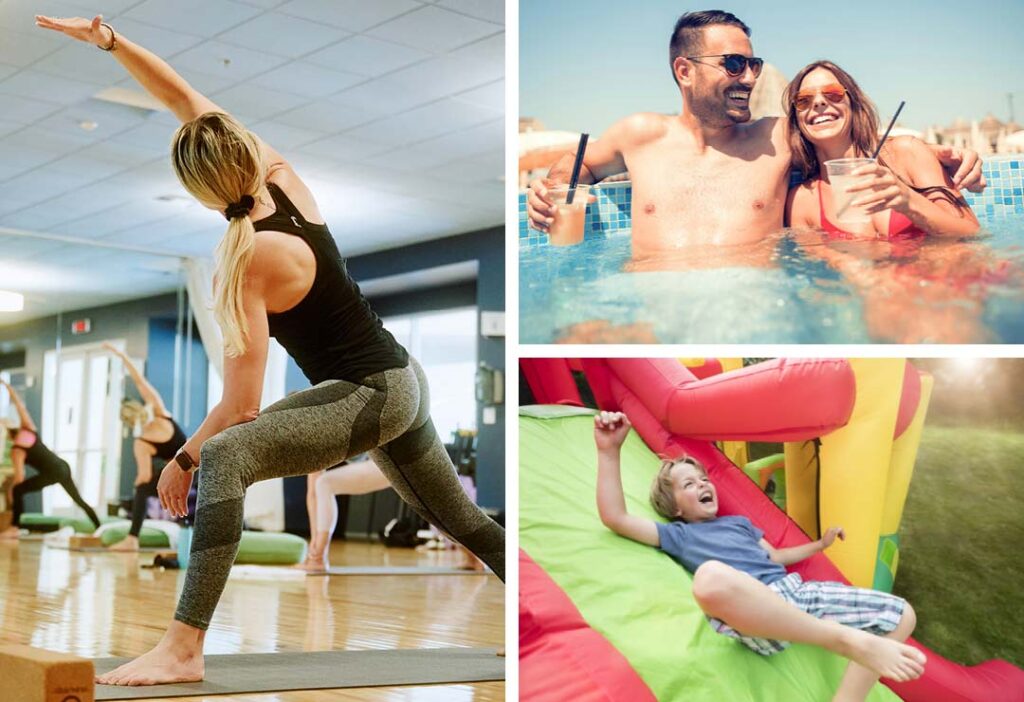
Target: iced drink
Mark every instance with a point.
(567, 229)
(839, 177)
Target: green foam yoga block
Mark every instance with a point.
(148, 537)
(34, 521)
(269, 548)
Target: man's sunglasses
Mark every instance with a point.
(833, 92)
(734, 64)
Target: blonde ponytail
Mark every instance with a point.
(234, 253)
(221, 163)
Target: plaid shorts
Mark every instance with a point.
(870, 610)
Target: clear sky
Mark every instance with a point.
(583, 65)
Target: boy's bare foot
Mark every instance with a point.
(129, 544)
(160, 666)
(467, 561)
(890, 659)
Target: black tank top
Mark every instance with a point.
(167, 449)
(40, 457)
(332, 333)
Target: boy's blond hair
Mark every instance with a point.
(663, 497)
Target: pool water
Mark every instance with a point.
(790, 289)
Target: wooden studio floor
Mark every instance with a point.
(103, 604)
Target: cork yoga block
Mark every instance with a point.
(37, 675)
(85, 542)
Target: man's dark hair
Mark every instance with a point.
(688, 36)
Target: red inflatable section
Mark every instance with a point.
(551, 381)
(560, 657)
(781, 400)
(910, 397)
(632, 387)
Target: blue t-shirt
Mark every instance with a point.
(733, 540)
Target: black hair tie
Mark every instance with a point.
(242, 208)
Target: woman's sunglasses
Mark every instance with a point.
(833, 92)
(734, 64)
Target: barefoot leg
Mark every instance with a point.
(858, 680)
(177, 658)
(749, 606)
(129, 544)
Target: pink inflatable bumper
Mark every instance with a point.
(664, 402)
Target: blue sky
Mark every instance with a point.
(583, 65)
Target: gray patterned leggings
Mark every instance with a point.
(387, 414)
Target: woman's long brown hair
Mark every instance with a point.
(863, 119)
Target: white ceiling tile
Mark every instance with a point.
(487, 55)
(220, 60)
(162, 42)
(385, 96)
(251, 103)
(491, 96)
(434, 29)
(6, 70)
(424, 122)
(192, 16)
(444, 76)
(472, 170)
(473, 141)
(283, 35)
(265, 4)
(354, 15)
(490, 10)
(117, 154)
(284, 137)
(98, 225)
(366, 56)
(21, 50)
(46, 88)
(110, 119)
(305, 79)
(21, 110)
(44, 183)
(412, 159)
(107, 8)
(344, 148)
(324, 117)
(151, 136)
(76, 62)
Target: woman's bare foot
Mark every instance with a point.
(314, 563)
(177, 658)
(10, 533)
(130, 544)
(467, 561)
(890, 659)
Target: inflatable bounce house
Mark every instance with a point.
(604, 618)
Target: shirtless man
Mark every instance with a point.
(707, 175)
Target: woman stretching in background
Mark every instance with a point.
(161, 437)
(28, 450)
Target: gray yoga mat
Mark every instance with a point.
(319, 670)
(397, 570)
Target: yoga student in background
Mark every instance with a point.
(359, 477)
(27, 449)
(279, 273)
(161, 438)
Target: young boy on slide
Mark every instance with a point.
(739, 580)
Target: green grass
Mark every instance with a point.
(961, 544)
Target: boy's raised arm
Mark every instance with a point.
(610, 430)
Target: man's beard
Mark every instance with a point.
(714, 110)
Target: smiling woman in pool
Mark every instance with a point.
(907, 193)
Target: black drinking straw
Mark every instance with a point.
(576, 168)
(899, 109)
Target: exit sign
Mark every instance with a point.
(81, 326)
